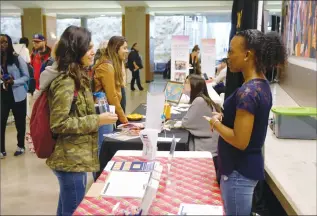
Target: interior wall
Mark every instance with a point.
(299, 81)
(135, 32)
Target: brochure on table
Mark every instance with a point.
(208, 57)
(179, 58)
(126, 184)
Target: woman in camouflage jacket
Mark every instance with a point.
(73, 119)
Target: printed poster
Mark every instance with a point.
(208, 57)
(179, 58)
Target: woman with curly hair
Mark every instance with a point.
(243, 125)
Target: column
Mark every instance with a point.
(49, 29)
(135, 32)
(83, 22)
(32, 22)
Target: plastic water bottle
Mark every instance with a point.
(102, 105)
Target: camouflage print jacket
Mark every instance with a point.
(77, 143)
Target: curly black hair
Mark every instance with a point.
(269, 48)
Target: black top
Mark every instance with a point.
(193, 63)
(134, 57)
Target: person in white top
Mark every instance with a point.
(219, 82)
(22, 49)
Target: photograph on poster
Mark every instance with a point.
(180, 76)
(180, 65)
(300, 28)
(173, 91)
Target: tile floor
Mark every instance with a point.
(28, 186)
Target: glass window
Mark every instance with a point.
(103, 28)
(165, 28)
(196, 27)
(221, 32)
(12, 27)
(62, 24)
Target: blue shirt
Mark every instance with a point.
(21, 76)
(256, 98)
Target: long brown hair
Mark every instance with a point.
(199, 89)
(111, 53)
(71, 48)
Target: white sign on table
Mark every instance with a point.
(208, 56)
(179, 58)
(154, 110)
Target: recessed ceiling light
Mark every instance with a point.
(102, 15)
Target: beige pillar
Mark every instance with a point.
(49, 29)
(32, 23)
(135, 32)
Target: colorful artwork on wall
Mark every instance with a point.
(300, 27)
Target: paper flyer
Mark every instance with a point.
(179, 58)
(149, 140)
(208, 57)
(133, 166)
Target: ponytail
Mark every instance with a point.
(274, 53)
(269, 48)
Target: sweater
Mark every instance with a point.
(201, 136)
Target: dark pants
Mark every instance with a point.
(124, 99)
(136, 77)
(215, 159)
(72, 186)
(220, 88)
(19, 113)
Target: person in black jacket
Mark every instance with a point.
(135, 64)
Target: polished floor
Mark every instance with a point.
(28, 186)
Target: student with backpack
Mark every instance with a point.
(14, 78)
(69, 118)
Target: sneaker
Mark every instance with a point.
(19, 151)
(3, 155)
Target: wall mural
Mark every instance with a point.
(300, 27)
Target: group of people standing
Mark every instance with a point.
(15, 66)
(235, 134)
(61, 72)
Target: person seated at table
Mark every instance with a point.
(243, 125)
(219, 82)
(109, 77)
(74, 124)
(201, 137)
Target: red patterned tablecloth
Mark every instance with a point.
(193, 181)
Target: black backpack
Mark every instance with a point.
(31, 81)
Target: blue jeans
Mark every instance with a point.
(237, 192)
(72, 186)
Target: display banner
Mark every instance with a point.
(179, 58)
(208, 57)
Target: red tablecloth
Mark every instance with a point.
(193, 181)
